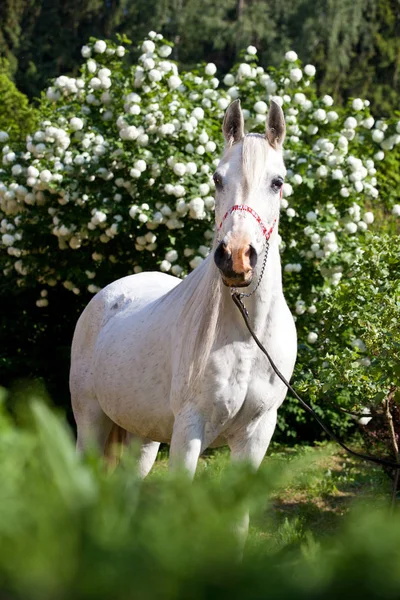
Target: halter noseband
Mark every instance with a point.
(244, 208)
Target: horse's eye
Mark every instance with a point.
(217, 180)
(276, 184)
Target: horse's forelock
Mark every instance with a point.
(254, 159)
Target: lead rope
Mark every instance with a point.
(237, 298)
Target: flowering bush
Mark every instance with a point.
(118, 179)
(357, 363)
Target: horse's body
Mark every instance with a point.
(172, 361)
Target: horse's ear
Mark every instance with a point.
(233, 125)
(276, 127)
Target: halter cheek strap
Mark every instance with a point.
(243, 208)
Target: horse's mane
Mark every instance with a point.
(197, 300)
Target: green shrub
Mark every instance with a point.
(357, 363)
(117, 179)
(68, 529)
(17, 118)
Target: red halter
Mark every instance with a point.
(242, 207)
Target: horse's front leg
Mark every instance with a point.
(187, 440)
(251, 449)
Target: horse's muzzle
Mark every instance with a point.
(236, 264)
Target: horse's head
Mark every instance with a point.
(248, 182)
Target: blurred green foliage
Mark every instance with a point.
(69, 529)
(17, 117)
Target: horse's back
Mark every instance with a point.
(133, 292)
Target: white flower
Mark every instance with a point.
(300, 307)
(357, 104)
(252, 50)
(337, 174)
(191, 168)
(196, 261)
(396, 210)
(129, 133)
(351, 227)
(164, 51)
(287, 190)
(210, 69)
(309, 70)
(7, 239)
(76, 124)
(196, 206)
(176, 270)
(100, 46)
(198, 113)
(378, 135)
(16, 170)
(322, 171)
(229, 79)
(45, 176)
(297, 179)
(222, 103)
(179, 169)
(329, 238)
(174, 82)
(203, 137)
(86, 52)
(244, 70)
(204, 189)
(32, 171)
(312, 337)
(233, 92)
(260, 107)
(312, 129)
(311, 216)
(350, 123)
(135, 173)
(120, 51)
(291, 212)
(368, 123)
(171, 256)
(332, 116)
(211, 146)
(327, 100)
(368, 218)
(295, 75)
(155, 75)
(319, 114)
(148, 64)
(291, 56)
(362, 226)
(299, 98)
(148, 46)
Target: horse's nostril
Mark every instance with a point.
(252, 254)
(220, 255)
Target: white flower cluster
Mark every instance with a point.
(122, 173)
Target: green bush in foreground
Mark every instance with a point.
(70, 530)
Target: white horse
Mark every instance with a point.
(172, 361)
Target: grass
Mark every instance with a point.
(331, 484)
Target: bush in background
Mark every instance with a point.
(17, 118)
(118, 179)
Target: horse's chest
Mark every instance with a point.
(228, 380)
